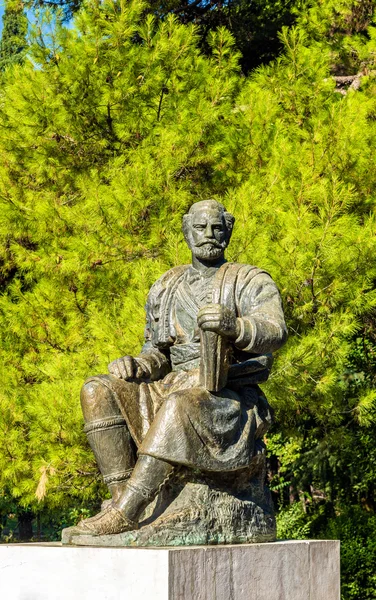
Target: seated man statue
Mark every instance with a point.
(191, 397)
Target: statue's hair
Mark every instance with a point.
(228, 217)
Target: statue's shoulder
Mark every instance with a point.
(170, 275)
(245, 277)
(244, 271)
(167, 281)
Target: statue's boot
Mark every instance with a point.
(108, 435)
(148, 478)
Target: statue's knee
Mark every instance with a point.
(173, 399)
(185, 400)
(97, 401)
(178, 400)
(89, 392)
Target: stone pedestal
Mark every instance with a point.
(197, 515)
(292, 570)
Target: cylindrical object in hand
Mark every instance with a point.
(214, 362)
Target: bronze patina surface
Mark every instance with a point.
(177, 431)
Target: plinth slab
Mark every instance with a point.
(289, 570)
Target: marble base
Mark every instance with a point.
(288, 570)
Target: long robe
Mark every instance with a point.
(171, 416)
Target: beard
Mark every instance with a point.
(209, 251)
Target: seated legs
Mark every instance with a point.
(133, 485)
(108, 435)
(148, 478)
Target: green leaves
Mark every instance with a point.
(106, 138)
(13, 43)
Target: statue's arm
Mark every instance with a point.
(152, 363)
(261, 326)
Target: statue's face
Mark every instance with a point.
(208, 235)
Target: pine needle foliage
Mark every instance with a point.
(254, 25)
(13, 42)
(107, 136)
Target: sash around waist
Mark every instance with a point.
(187, 356)
(184, 353)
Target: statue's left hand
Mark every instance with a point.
(126, 367)
(220, 319)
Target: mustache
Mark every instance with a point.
(213, 243)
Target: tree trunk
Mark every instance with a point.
(25, 525)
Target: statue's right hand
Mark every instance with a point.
(126, 367)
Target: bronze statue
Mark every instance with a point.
(190, 401)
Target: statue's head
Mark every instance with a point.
(207, 229)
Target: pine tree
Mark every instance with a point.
(113, 130)
(13, 42)
(255, 25)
